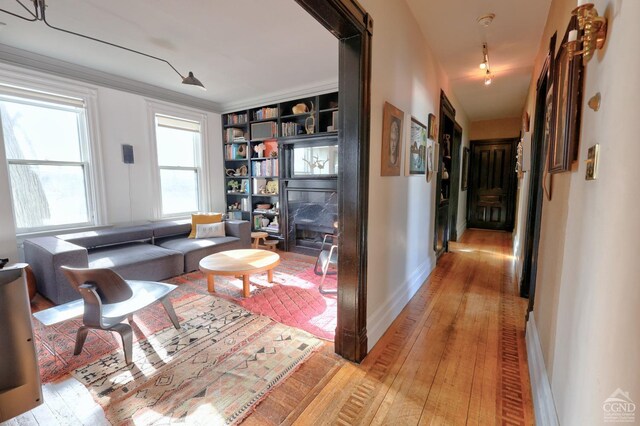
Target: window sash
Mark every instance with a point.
(198, 184)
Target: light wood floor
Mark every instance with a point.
(455, 355)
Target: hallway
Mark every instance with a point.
(455, 355)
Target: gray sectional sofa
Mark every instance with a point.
(152, 252)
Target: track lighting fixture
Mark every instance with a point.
(487, 78)
(38, 14)
(485, 57)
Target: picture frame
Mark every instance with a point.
(416, 151)
(392, 125)
(464, 181)
(567, 96)
(429, 162)
(433, 127)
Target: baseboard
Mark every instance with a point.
(543, 404)
(379, 320)
(460, 228)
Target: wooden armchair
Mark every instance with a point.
(109, 299)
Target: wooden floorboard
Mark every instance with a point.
(454, 355)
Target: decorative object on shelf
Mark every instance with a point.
(445, 173)
(464, 182)
(272, 187)
(392, 119)
(233, 206)
(263, 206)
(316, 162)
(567, 96)
(310, 122)
(265, 222)
(519, 157)
(593, 29)
(592, 162)
(446, 146)
(300, 108)
(433, 127)
(416, 154)
(259, 149)
(594, 102)
(233, 185)
(38, 14)
(429, 162)
(242, 151)
(240, 171)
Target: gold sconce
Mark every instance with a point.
(593, 29)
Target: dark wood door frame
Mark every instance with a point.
(351, 24)
(454, 200)
(536, 193)
(513, 184)
(447, 112)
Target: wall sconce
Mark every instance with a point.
(593, 29)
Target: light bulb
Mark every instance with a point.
(487, 78)
(483, 66)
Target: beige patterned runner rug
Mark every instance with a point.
(222, 362)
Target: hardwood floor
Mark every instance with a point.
(455, 355)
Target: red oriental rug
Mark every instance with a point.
(292, 299)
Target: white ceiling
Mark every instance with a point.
(240, 49)
(513, 38)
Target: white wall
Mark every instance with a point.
(587, 296)
(122, 118)
(401, 209)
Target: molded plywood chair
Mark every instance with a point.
(109, 299)
(328, 257)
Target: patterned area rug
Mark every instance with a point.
(222, 362)
(292, 299)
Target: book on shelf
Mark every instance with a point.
(235, 151)
(234, 134)
(290, 129)
(268, 167)
(264, 113)
(236, 118)
(234, 215)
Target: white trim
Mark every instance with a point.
(56, 67)
(156, 107)
(379, 320)
(282, 96)
(544, 406)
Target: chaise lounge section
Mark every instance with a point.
(151, 252)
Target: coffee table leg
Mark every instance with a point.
(245, 286)
(211, 283)
(270, 275)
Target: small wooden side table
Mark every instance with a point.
(257, 236)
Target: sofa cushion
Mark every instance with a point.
(107, 237)
(171, 228)
(202, 218)
(138, 261)
(195, 250)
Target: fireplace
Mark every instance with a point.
(311, 214)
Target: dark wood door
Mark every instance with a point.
(491, 188)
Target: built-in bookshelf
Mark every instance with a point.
(253, 141)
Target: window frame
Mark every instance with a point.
(32, 86)
(155, 108)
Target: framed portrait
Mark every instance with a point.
(567, 96)
(417, 150)
(464, 182)
(429, 162)
(392, 121)
(433, 127)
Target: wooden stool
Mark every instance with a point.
(256, 238)
(271, 244)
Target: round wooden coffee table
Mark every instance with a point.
(239, 262)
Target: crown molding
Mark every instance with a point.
(22, 58)
(282, 96)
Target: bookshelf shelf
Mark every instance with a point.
(260, 130)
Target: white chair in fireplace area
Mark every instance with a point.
(328, 257)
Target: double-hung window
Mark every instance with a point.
(47, 150)
(179, 153)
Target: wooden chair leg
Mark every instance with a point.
(172, 314)
(81, 336)
(125, 332)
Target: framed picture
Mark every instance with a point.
(392, 121)
(417, 151)
(464, 182)
(567, 96)
(433, 127)
(429, 161)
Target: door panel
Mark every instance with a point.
(491, 185)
